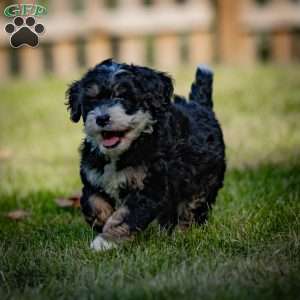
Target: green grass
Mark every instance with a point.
(250, 248)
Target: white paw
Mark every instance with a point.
(101, 244)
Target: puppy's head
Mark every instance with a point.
(118, 103)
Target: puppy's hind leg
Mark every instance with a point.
(192, 212)
(167, 220)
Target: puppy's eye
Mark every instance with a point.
(91, 100)
(122, 90)
(92, 91)
(121, 93)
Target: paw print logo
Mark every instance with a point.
(24, 31)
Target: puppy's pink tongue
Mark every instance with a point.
(111, 141)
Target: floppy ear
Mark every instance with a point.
(168, 88)
(163, 89)
(160, 90)
(74, 102)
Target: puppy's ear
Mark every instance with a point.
(167, 83)
(163, 88)
(73, 101)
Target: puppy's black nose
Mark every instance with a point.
(102, 120)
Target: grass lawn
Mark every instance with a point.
(250, 248)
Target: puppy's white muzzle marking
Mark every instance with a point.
(101, 244)
(119, 121)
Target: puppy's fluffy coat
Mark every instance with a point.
(147, 154)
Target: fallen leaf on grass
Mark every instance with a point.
(18, 215)
(73, 201)
(5, 154)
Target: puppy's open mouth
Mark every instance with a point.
(111, 139)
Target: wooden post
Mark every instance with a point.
(4, 44)
(64, 52)
(4, 63)
(282, 45)
(200, 47)
(228, 30)
(133, 49)
(167, 51)
(163, 2)
(2, 7)
(94, 6)
(97, 49)
(64, 58)
(31, 62)
(279, 2)
(130, 4)
(59, 7)
(248, 48)
(97, 43)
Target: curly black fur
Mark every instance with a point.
(183, 158)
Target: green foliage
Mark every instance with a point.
(248, 250)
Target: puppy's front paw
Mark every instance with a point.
(116, 227)
(102, 244)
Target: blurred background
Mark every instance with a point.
(163, 33)
(252, 45)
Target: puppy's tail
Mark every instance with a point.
(201, 89)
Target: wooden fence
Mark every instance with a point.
(164, 33)
(249, 30)
(157, 33)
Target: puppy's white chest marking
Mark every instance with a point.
(112, 181)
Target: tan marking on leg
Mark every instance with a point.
(196, 202)
(183, 227)
(103, 210)
(115, 229)
(186, 216)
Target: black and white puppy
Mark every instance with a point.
(147, 154)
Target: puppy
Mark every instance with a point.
(147, 154)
